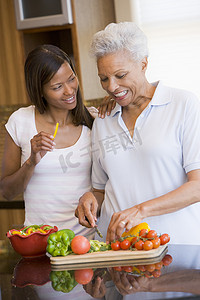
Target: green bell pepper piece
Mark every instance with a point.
(70, 233)
(58, 243)
(96, 246)
(63, 281)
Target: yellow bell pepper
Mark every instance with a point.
(136, 230)
(136, 270)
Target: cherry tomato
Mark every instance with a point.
(164, 239)
(159, 265)
(125, 244)
(83, 276)
(118, 269)
(151, 234)
(147, 274)
(115, 245)
(148, 245)
(167, 260)
(80, 244)
(156, 273)
(139, 245)
(156, 242)
(134, 240)
(127, 269)
(143, 232)
(141, 268)
(150, 268)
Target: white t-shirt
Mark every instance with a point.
(165, 146)
(59, 179)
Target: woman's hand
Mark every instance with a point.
(40, 144)
(96, 288)
(124, 219)
(86, 210)
(129, 284)
(107, 105)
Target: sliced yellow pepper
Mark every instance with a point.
(41, 230)
(16, 232)
(55, 132)
(29, 230)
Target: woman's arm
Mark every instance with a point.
(186, 281)
(187, 194)
(15, 177)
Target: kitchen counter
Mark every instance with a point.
(36, 279)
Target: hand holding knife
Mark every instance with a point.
(96, 228)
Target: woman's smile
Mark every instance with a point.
(120, 95)
(70, 100)
(122, 77)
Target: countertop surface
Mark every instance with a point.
(36, 278)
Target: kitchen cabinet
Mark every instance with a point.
(89, 16)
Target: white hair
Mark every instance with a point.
(120, 36)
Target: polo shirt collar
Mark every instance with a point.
(116, 110)
(160, 97)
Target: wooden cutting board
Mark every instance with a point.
(109, 258)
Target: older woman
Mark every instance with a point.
(146, 154)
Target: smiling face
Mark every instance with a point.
(61, 91)
(122, 77)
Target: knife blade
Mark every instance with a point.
(96, 229)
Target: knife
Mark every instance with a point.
(96, 229)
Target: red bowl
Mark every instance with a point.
(32, 271)
(31, 245)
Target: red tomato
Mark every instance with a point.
(134, 240)
(143, 232)
(164, 238)
(80, 244)
(139, 245)
(148, 274)
(159, 265)
(125, 244)
(156, 242)
(118, 269)
(150, 268)
(115, 245)
(148, 245)
(127, 269)
(156, 273)
(167, 260)
(83, 276)
(141, 268)
(151, 234)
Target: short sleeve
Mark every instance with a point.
(99, 177)
(11, 127)
(93, 111)
(191, 135)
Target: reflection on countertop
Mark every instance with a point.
(179, 277)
